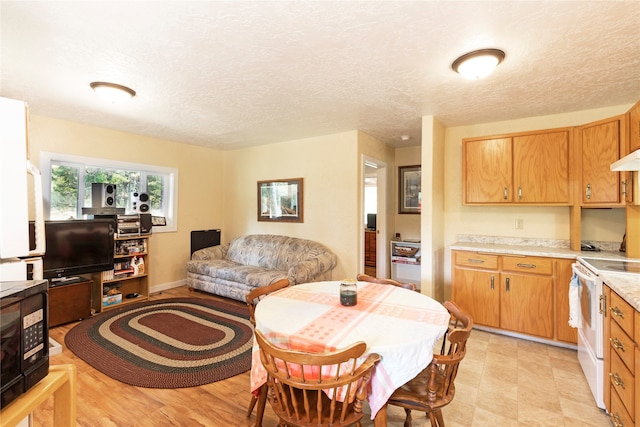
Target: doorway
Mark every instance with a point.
(374, 251)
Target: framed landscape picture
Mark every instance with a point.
(409, 191)
(280, 200)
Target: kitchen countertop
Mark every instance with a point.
(625, 285)
(533, 250)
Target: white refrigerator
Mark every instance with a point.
(15, 200)
(17, 194)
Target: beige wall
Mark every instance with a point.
(219, 190)
(200, 185)
(408, 225)
(539, 222)
(330, 169)
(432, 219)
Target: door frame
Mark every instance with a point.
(382, 264)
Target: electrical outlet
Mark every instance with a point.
(519, 224)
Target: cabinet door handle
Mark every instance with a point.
(617, 421)
(474, 260)
(616, 312)
(523, 265)
(603, 305)
(617, 380)
(493, 281)
(508, 284)
(519, 192)
(617, 344)
(588, 191)
(624, 188)
(505, 193)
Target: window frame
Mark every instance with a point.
(170, 196)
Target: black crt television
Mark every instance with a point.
(371, 221)
(78, 247)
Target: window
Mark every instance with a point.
(67, 185)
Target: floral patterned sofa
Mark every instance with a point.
(248, 262)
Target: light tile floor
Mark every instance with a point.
(505, 381)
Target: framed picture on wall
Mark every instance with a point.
(409, 191)
(280, 200)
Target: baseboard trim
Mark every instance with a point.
(526, 337)
(164, 286)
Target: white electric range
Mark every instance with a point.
(592, 306)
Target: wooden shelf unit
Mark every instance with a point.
(126, 248)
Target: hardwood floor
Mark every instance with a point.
(105, 402)
(503, 381)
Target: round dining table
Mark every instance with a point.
(401, 325)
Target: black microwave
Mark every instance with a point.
(24, 336)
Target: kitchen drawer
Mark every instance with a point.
(619, 415)
(622, 313)
(623, 382)
(529, 264)
(622, 345)
(476, 260)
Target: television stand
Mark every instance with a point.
(69, 301)
(65, 281)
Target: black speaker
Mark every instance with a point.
(103, 195)
(140, 202)
(145, 223)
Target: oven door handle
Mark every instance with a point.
(582, 275)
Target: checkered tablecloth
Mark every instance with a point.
(400, 325)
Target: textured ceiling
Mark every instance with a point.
(231, 74)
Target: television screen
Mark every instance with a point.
(371, 221)
(77, 247)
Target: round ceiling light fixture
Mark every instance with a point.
(112, 92)
(478, 64)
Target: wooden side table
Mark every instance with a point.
(59, 383)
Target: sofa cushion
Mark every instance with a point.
(230, 271)
(273, 251)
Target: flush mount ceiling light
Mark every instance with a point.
(112, 92)
(478, 64)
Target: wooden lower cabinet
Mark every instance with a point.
(476, 292)
(526, 304)
(621, 361)
(515, 293)
(562, 273)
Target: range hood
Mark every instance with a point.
(630, 162)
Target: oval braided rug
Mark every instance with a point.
(170, 343)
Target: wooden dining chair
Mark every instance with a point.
(434, 388)
(252, 299)
(366, 278)
(319, 389)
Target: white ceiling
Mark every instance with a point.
(230, 74)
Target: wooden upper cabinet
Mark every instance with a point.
(634, 128)
(527, 168)
(541, 168)
(487, 170)
(601, 143)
